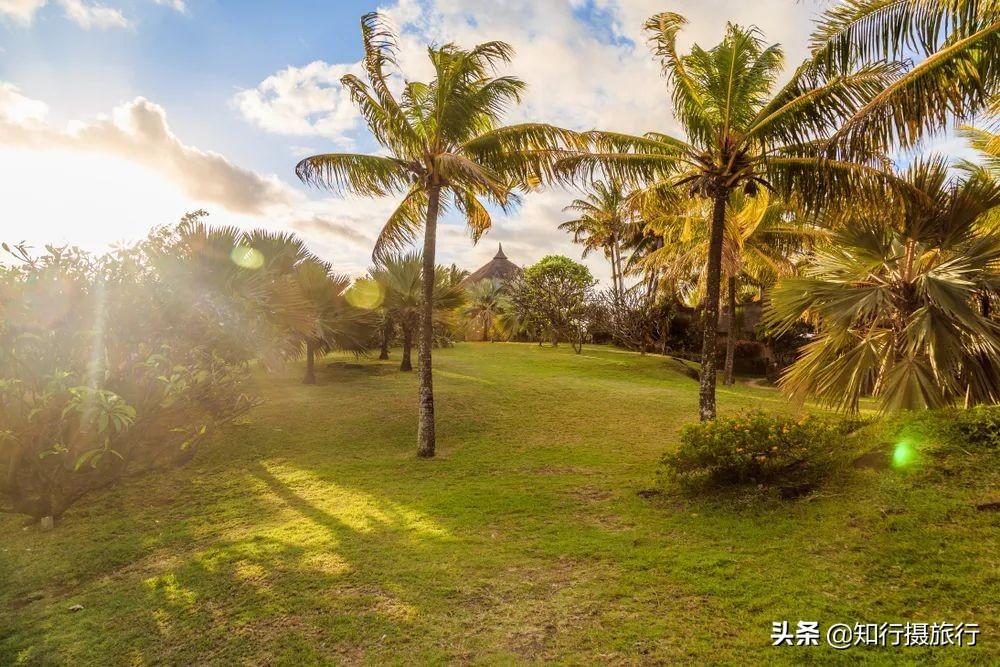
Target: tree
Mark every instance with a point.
(400, 281)
(894, 298)
(553, 296)
(950, 68)
(337, 324)
(605, 213)
(742, 134)
(486, 306)
(761, 241)
(446, 148)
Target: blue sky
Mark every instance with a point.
(143, 109)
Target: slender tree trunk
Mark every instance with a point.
(425, 427)
(406, 364)
(731, 336)
(386, 332)
(710, 313)
(310, 377)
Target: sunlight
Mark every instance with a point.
(324, 501)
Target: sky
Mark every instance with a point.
(118, 115)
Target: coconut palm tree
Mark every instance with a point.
(762, 241)
(949, 52)
(895, 299)
(400, 278)
(445, 148)
(742, 133)
(337, 324)
(604, 216)
(485, 306)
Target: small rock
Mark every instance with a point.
(76, 607)
(47, 523)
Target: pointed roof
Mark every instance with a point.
(498, 268)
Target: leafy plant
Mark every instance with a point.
(753, 449)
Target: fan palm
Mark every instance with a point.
(446, 149)
(742, 134)
(337, 324)
(485, 306)
(894, 296)
(400, 278)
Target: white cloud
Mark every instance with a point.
(93, 15)
(16, 108)
(22, 11)
(176, 5)
(85, 14)
(303, 101)
(137, 131)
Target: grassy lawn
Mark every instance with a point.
(309, 532)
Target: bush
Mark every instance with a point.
(977, 427)
(768, 451)
(123, 363)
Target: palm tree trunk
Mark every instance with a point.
(386, 331)
(310, 377)
(731, 336)
(406, 364)
(710, 313)
(425, 426)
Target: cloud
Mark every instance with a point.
(22, 11)
(85, 14)
(303, 101)
(320, 226)
(138, 131)
(176, 5)
(93, 15)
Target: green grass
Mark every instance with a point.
(309, 532)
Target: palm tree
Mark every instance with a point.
(401, 281)
(486, 306)
(337, 324)
(762, 239)
(742, 134)
(894, 296)
(949, 52)
(605, 214)
(446, 148)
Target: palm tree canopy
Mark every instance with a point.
(445, 134)
(742, 131)
(951, 69)
(894, 297)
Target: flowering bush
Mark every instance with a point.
(772, 451)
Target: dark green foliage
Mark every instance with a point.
(754, 449)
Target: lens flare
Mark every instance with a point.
(247, 257)
(365, 294)
(903, 455)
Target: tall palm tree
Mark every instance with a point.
(742, 133)
(401, 279)
(337, 324)
(894, 296)
(445, 148)
(485, 307)
(604, 215)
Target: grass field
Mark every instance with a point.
(309, 532)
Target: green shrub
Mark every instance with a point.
(792, 455)
(977, 427)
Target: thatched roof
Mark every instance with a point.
(498, 268)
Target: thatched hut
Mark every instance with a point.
(498, 268)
